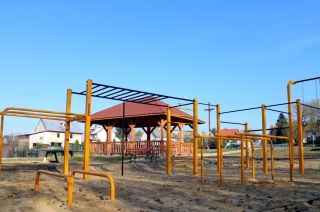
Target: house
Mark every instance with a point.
(51, 133)
(99, 134)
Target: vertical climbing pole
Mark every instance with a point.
(168, 148)
(195, 137)
(67, 134)
(300, 137)
(1, 139)
(86, 152)
(264, 141)
(247, 146)
(218, 132)
(291, 150)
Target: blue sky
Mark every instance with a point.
(236, 53)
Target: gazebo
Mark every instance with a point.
(133, 115)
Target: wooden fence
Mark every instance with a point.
(114, 148)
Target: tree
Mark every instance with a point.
(280, 130)
(138, 135)
(119, 133)
(77, 145)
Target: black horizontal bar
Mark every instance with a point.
(181, 105)
(278, 128)
(106, 91)
(246, 109)
(228, 122)
(279, 111)
(155, 99)
(317, 108)
(130, 95)
(206, 104)
(140, 96)
(280, 104)
(109, 95)
(125, 93)
(171, 97)
(96, 91)
(305, 80)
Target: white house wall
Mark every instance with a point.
(48, 137)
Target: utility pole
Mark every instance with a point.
(209, 117)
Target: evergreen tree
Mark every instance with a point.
(282, 123)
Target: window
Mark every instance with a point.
(58, 135)
(71, 135)
(52, 143)
(34, 144)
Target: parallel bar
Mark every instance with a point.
(40, 111)
(236, 123)
(280, 104)
(34, 116)
(181, 105)
(206, 104)
(246, 109)
(317, 108)
(279, 111)
(305, 80)
(278, 128)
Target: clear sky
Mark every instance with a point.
(236, 53)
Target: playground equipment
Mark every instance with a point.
(70, 181)
(45, 114)
(300, 121)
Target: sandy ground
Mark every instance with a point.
(145, 187)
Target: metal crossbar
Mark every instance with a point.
(130, 95)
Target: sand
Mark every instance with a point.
(145, 187)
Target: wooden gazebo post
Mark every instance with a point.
(162, 123)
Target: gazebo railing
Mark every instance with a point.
(114, 148)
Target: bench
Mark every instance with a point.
(144, 151)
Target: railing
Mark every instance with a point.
(114, 148)
(70, 181)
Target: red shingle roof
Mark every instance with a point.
(138, 110)
(229, 132)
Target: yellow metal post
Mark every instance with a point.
(86, 153)
(202, 160)
(1, 140)
(218, 132)
(247, 147)
(220, 160)
(195, 137)
(291, 148)
(252, 158)
(300, 137)
(242, 160)
(168, 148)
(67, 134)
(264, 142)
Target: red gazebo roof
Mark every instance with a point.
(142, 113)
